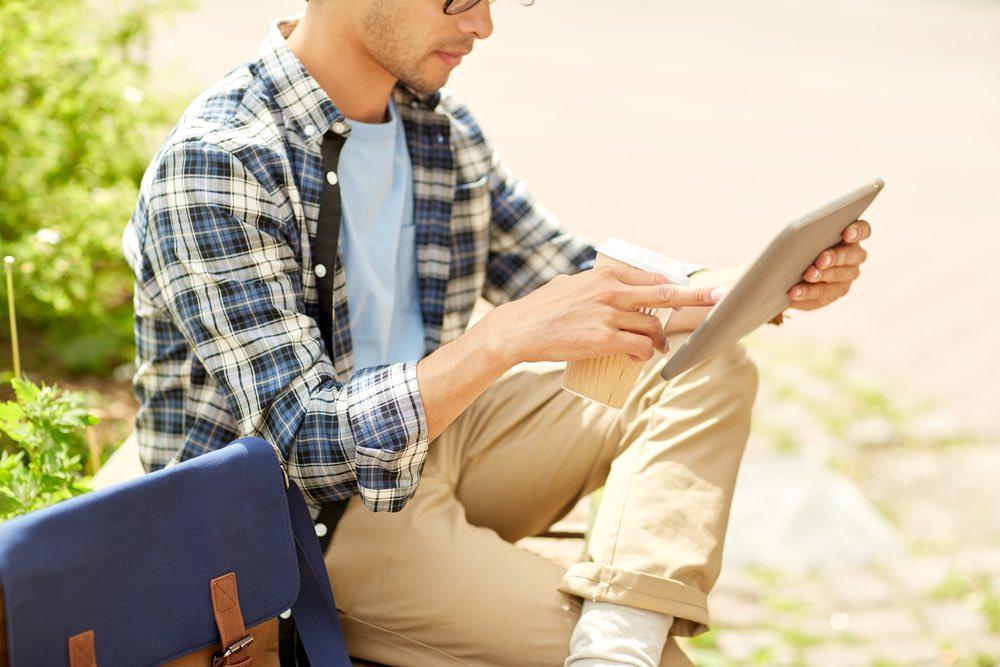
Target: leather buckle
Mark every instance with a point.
(220, 656)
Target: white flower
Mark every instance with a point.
(132, 95)
(839, 621)
(49, 236)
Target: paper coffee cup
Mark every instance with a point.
(609, 379)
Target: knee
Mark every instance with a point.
(729, 378)
(732, 369)
(744, 369)
(741, 378)
(726, 384)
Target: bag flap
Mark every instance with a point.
(133, 562)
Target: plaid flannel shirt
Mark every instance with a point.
(225, 296)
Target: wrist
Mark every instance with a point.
(494, 339)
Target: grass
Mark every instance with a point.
(799, 640)
(786, 605)
(989, 606)
(827, 385)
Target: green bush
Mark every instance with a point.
(77, 128)
(41, 461)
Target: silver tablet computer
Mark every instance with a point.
(762, 291)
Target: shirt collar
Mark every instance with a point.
(307, 108)
(309, 111)
(406, 96)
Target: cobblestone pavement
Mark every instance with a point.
(936, 603)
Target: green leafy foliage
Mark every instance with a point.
(44, 448)
(77, 128)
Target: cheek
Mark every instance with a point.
(419, 24)
(388, 29)
(414, 49)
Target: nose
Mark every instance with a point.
(477, 21)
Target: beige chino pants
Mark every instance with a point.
(441, 582)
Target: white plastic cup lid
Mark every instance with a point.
(643, 258)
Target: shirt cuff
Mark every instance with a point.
(389, 427)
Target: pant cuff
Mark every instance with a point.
(601, 583)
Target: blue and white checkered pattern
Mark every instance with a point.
(225, 299)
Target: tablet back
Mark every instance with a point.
(762, 291)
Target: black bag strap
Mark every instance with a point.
(303, 634)
(328, 231)
(327, 240)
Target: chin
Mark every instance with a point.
(425, 81)
(426, 86)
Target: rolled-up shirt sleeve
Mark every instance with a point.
(224, 266)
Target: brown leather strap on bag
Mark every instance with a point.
(229, 620)
(81, 650)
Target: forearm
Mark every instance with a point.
(580, 316)
(454, 375)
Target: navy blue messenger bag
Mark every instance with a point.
(189, 565)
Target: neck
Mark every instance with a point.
(358, 85)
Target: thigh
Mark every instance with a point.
(425, 587)
(526, 451)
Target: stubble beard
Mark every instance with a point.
(396, 49)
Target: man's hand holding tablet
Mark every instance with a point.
(810, 264)
(834, 271)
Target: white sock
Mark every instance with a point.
(612, 634)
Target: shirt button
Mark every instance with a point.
(309, 130)
(287, 614)
(440, 138)
(320, 270)
(414, 104)
(320, 530)
(340, 127)
(331, 177)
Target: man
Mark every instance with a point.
(450, 447)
